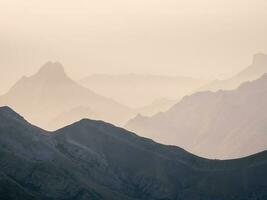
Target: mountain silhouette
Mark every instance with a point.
(253, 72)
(95, 160)
(223, 124)
(50, 92)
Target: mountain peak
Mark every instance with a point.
(52, 69)
(260, 59)
(7, 112)
(5, 109)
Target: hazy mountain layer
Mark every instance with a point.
(137, 90)
(71, 116)
(98, 161)
(159, 105)
(50, 92)
(253, 72)
(224, 124)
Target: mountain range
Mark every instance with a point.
(223, 124)
(98, 161)
(252, 72)
(46, 96)
(65, 101)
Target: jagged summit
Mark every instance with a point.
(260, 59)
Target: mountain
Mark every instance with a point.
(139, 90)
(50, 92)
(253, 72)
(95, 160)
(223, 124)
(159, 105)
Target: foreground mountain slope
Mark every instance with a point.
(252, 72)
(96, 160)
(30, 158)
(225, 124)
(50, 92)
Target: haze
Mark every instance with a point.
(208, 39)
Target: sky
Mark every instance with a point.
(210, 39)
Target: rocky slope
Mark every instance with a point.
(98, 161)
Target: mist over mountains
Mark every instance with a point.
(43, 97)
(98, 161)
(252, 72)
(140, 90)
(155, 100)
(62, 98)
(90, 159)
(223, 124)
(159, 105)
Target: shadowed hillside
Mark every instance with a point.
(96, 160)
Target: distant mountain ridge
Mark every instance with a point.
(223, 124)
(139, 90)
(252, 72)
(98, 161)
(157, 106)
(50, 92)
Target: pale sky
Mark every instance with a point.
(199, 38)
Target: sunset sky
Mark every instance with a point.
(199, 38)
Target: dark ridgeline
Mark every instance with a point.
(96, 160)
